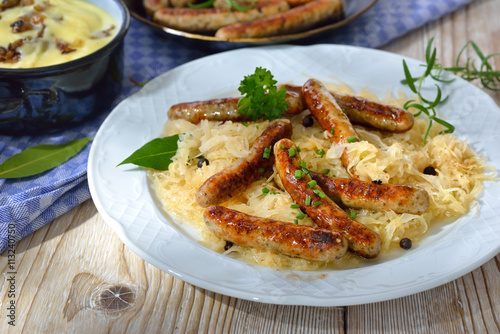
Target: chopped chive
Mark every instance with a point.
(292, 152)
(312, 183)
(265, 191)
(321, 152)
(300, 215)
(282, 146)
(305, 170)
(298, 174)
(262, 170)
(319, 193)
(326, 171)
(267, 153)
(245, 124)
(308, 200)
(331, 131)
(298, 149)
(295, 206)
(315, 204)
(296, 221)
(354, 214)
(351, 139)
(302, 164)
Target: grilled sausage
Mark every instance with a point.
(330, 116)
(323, 211)
(378, 115)
(325, 109)
(211, 19)
(152, 6)
(225, 109)
(372, 196)
(367, 112)
(233, 179)
(286, 238)
(294, 20)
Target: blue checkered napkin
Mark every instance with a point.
(32, 202)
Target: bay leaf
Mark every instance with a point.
(38, 159)
(156, 154)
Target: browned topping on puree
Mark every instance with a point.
(41, 8)
(10, 54)
(9, 3)
(64, 47)
(21, 25)
(103, 33)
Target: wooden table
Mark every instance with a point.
(69, 271)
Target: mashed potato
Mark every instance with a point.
(392, 158)
(38, 33)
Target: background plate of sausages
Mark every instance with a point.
(260, 21)
(124, 198)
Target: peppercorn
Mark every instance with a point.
(405, 243)
(202, 161)
(308, 121)
(377, 181)
(228, 245)
(429, 170)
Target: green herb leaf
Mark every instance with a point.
(205, 4)
(261, 99)
(156, 154)
(38, 159)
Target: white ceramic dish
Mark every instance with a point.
(123, 197)
(352, 10)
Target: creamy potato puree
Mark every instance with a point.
(51, 32)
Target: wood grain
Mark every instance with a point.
(75, 275)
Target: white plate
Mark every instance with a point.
(123, 197)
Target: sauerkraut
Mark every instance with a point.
(392, 158)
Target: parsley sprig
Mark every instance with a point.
(489, 78)
(261, 96)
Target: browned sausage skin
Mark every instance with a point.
(233, 179)
(330, 116)
(322, 210)
(381, 116)
(367, 112)
(294, 20)
(372, 196)
(225, 109)
(286, 238)
(327, 111)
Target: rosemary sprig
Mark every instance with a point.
(489, 78)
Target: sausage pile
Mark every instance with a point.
(322, 198)
(262, 18)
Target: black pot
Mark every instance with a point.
(52, 98)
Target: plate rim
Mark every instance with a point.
(312, 301)
(249, 41)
